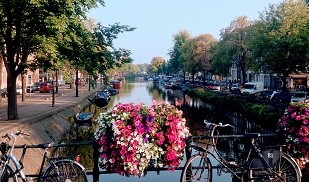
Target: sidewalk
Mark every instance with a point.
(33, 110)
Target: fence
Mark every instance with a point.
(96, 154)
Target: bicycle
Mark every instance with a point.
(60, 169)
(269, 164)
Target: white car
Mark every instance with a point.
(19, 90)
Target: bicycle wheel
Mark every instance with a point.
(6, 173)
(197, 168)
(65, 171)
(285, 170)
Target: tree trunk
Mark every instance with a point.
(56, 82)
(284, 82)
(12, 98)
(76, 83)
(23, 87)
(1, 70)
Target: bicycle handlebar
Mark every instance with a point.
(15, 134)
(217, 125)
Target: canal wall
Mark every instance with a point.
(57, 124)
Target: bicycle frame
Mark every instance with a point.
(19, 163)
(243, 167)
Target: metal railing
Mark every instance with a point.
(96, 154)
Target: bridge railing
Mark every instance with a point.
(96, 154)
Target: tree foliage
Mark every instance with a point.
(280, 39)
(233, 47)
(26, 27)
(175, 63)
(157, 65)
(50, 34)
(196, 53)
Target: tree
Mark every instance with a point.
(26, 27)
(233, 47)
(220, 62)
(175, 63)
(280, 41)
(196, 53)
(204, 45)
(157, 65)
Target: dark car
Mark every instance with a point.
(31, 89)
(265, 94)
(37, 86)
(281, 96)
(4, 92)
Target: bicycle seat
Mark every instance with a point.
(251, 135)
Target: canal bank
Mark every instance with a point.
(38, 116)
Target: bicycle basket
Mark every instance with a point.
(4, 148)
(209, 135)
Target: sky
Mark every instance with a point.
(157, 21)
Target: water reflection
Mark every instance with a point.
(194, 111)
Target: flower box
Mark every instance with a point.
(133, 138)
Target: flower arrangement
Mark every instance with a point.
(135, 137)
(294, 127)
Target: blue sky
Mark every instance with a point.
(158, 20)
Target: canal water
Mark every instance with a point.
(194, 112)
(147, 92)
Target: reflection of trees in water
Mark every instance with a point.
(159, 93)
(153, 89)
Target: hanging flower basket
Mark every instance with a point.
(133, 138)
(294, 127)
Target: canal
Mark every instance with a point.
(193, 110)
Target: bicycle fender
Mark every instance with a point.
(271, 156)
(72, 161)
(296, 165)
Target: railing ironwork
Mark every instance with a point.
(96, 154)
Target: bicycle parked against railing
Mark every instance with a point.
(60, 169)
(270, 164)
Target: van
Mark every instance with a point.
(45, 87)
(252, 87)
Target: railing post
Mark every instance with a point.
(96, 155)
(188, 149)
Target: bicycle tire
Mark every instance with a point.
(5, 175)
(197, 168)
(286, 169)
(65, 171)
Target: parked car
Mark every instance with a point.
(300, 97)
(37, 86)
(31, 89)
(281, 96)
(265, 94)
(46, 87)
(213, 86)
(235, 88)
(4, 92)
(19, 90)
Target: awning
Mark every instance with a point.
(298, 76)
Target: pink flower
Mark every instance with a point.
(123, 144)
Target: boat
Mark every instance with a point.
(84, 119)
(112, 91)
(116, 84)
(101, 99)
